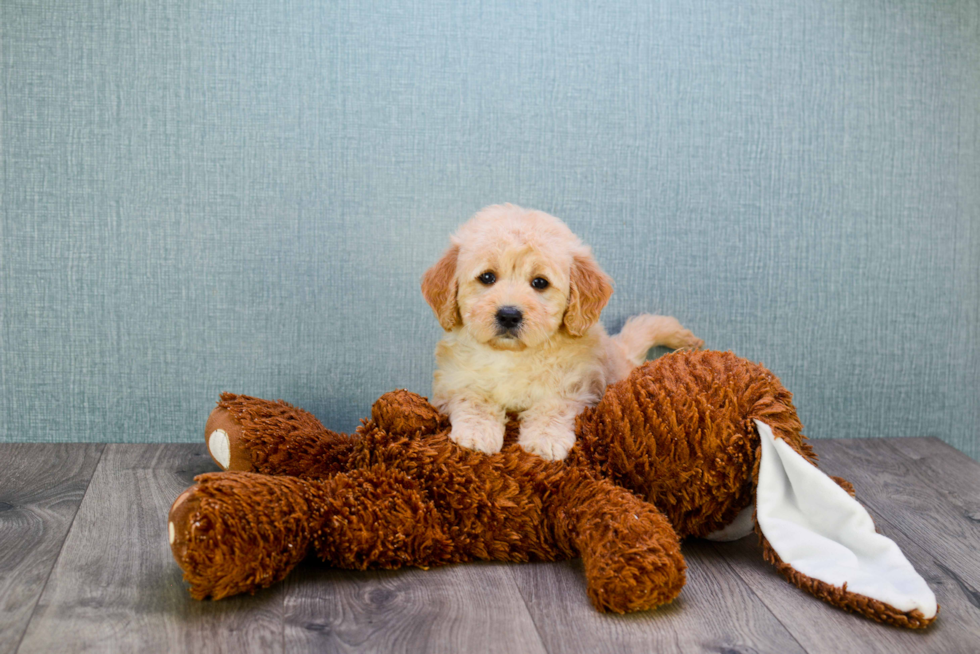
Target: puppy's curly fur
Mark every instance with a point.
(519, 296)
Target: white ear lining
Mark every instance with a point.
(824, 533)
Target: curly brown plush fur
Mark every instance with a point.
(670, 452)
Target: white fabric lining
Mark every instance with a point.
(824, 533)
(740, 527)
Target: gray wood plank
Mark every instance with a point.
(41, 486)
(943, 467)
(469, 608)
(116, 588)
(716, 612)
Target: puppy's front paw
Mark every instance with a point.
(481, 435)
(552, 445)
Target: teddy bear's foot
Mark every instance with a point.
(237, 532)
(631, 552)
(634, 564)
(223, 435)
(249, 434)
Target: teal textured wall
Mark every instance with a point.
(202, 195)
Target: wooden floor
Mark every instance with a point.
(85, 566)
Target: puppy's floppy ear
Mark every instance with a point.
(589, 291)
(439, 289)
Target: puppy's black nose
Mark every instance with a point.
(509, 317)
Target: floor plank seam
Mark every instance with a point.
(972, 596)
(914, 466)
(735, 573)
(61, 549)
(530, 613)
(282, 619)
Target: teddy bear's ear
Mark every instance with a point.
(439, 289)
(822, 540)
(589, 291)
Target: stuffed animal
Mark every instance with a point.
(701, 444)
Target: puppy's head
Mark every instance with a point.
(514, 277)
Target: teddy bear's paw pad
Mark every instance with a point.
(220, 448)
(222, 433)
(178, 522)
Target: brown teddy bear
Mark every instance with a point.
(700, 444)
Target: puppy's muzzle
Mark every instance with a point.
(509, 320)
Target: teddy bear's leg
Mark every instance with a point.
(630, 551)
(824, 541)
(235, 532)
(249, 434)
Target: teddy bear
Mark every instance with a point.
(693, 444)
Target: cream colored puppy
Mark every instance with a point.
(519, 296)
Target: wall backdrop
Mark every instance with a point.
(202, 196)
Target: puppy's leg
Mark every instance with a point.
(642, 332)
(477, 423)
(548, 428)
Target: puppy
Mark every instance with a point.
(519, 296)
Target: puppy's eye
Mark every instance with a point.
(539, 283)
(487, 278)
